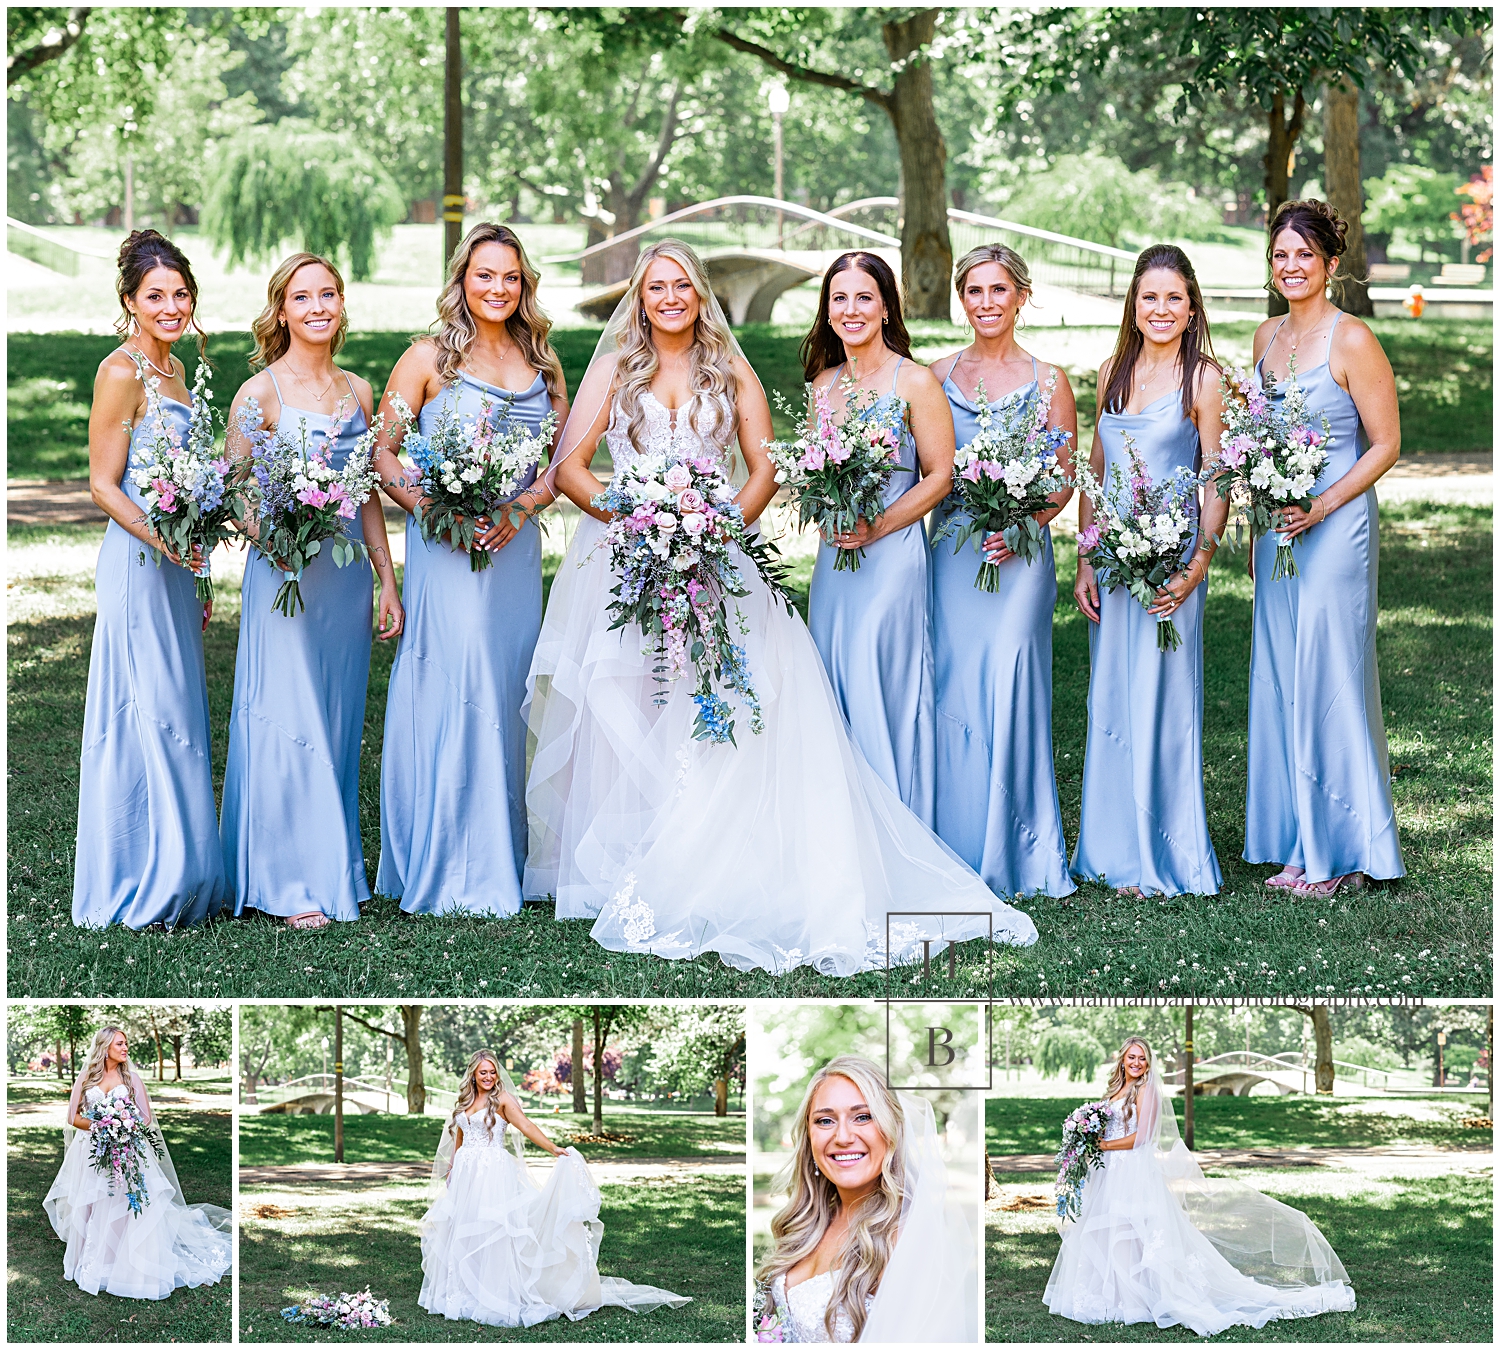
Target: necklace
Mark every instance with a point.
(169, 374)
(862, 379)
(307, 383)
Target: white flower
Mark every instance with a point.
(666, 522)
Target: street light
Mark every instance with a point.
(1007, 1026)
(325, 1064)
(779, 101)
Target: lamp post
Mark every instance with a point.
(1442, 1040)
(1007, 1026)
(779, 101)
(1187, 1078)
(325, 1064)
(338, 1083)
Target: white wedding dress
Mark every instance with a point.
(110, 1250)
(782, 851)
(498, 1248)
(804, 1307)
(1157, 1241)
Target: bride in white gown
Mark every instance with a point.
(786, 850)
(168, 1244)
(497, 1247)
(1157, 1241)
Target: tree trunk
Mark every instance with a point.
(1280, 144)
(57, 1058)
(338, 1084)
(926, 249)
(1187, 1077)
(416, 1089)
(177, 1059)
(1322, 1049)
(580, 1088)
(721, 1096)
(453, 136)
(1345, 195)
(600, 1030)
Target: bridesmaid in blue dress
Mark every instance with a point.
(1144, 823)
(1319, 798)
(148, 849)
(996, 790)
(290, 824)
(453, 768)
(873, 626)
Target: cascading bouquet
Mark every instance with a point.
(345, 1312)
(1002, 479)
(1140, 531)
(1273, 456)
(302, 500)
(1083, 1132)
(670, 544)
(120, 1142)
(190, 488)
(838, 466)
(467, 469)
(767, 1318)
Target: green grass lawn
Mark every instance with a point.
(1443, 375)
(42, 1306)
(686, 1234)
(1418, 1253)
(1428, 935)
(1034, 1124)
(271, 1141)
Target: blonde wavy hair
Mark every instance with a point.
(468, 1089)
(1013, 263)
(271, 338)
(454, 330)
(94, 1065)
(711, 360)
(814, 1200)
(1118, 1078)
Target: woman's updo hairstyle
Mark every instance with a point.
(1320, 226)
(1013, 263)
(142, 251)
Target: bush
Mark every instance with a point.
(1416, 203)
(1357, 1050)
(1070, 1050)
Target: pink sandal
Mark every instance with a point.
(1287, 878)
(311, 920)
(1322, 890)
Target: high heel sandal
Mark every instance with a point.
(1287, 878)
(1323, 890)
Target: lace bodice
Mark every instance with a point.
(477, 1134)
(1121, 1121)
(668, 433)
(804, 1306)
(97, 1094)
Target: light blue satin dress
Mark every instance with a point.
(148, 845)
(291, 789)
(996, 791)
(1144, 821)
(1320, 782)
(873, 629)
(453, 770)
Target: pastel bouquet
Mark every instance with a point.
(1082, 1135)
(189, 485)
(1002, 479)
(467, 468)
(767, 1319)
(344, 1312)
(671, 544)
(1272, 455)
(1140, 531)
(302, 500)
(839, 465)
(120, 1144)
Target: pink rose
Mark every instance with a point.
(690, 500)
(678, 477)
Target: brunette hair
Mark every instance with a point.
(142, 251)
(271, 338)
(1320, 226)
(1013, 263)
(455, 329)
(822, 348)
(1197, 346)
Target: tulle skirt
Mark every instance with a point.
(784, 849)
(497, 1248)
(1133, 1255)
(109, 1250)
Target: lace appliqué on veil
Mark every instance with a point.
(635, 917)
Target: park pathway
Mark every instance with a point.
(317, 1176)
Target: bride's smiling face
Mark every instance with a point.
(119, 1050)
(1136, 1062)
(847, 1145)
(669, 297)
(486, 1075)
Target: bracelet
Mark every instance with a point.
(1318, 501)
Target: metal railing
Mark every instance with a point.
(1292, 1061)
(319, 1083)
(42, 248)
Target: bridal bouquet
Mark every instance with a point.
(190, 489)
(767, 1319)
(1139, 532)
(1083, 1132)
(1002, 478)
(465, 470)
(119, 1144)
(302, 500)
(1273, 455)
(838, 467)
(346, 1312)
(670, 544)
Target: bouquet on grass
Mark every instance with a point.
(670, 544)
(120, 1142)
(838, 467)
(1140, 531)
(467, 469)
(302, 500)
(1002, 479)
(1083, 1132)
(346, 1312)
(1274, 456)
(190, 489)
